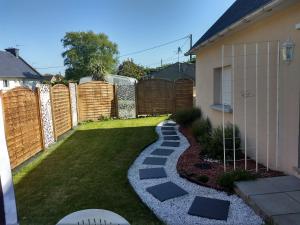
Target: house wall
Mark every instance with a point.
(279, 26)
(17, 83)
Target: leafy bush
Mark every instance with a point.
(202, 178)
(186, 117)
(201, 128)
(226, 180)
(215, 150)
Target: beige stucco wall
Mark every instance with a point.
(279, 26)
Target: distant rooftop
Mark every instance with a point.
(174, 72)
(13, 66)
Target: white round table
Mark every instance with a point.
(93, 217)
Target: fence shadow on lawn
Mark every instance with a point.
(88, 170)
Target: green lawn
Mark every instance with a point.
(88, 170)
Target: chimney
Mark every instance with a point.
(14, 51)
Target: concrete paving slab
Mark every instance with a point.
(289, 219)
(171, 143)
(152, 173)
(259, 186)
(166, 191)
(155, 161)
(295, 195)
(285, 183)
(162, 152)
(276, 204)
(209, 208)
(171, 138)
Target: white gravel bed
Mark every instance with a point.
(175, 211)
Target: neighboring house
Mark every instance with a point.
(248, 63)
(15, 71)
(53, 78)
(112, 79)
(174, 71)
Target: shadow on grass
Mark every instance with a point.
(88, 170)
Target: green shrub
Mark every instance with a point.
(186, 117)
(215, 149)
(202, 178)
(201, 127)
(226, 180)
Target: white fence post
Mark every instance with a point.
(6, 176)
(46, 115)
(73, 100)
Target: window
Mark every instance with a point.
(5, 83)
(222, 95)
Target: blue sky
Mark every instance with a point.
(37, 26)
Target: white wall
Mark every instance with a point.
(12, 83)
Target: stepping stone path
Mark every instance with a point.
(171, 144)
(155, 161)
(162, 152)
(171, 138)
(210, 208)
(166, 191)
(152, 173)
(176, 200)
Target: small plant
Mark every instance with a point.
(215, 149)
(187, 116)
(226, 180)
(202, 178)
(202, 130)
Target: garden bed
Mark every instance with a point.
(194, 167)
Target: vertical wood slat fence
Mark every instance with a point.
(61, 109)
(35, 119)
(95, 100)
(158, 96)
(22, 124)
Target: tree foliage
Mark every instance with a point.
(130, 69)
(88, 54)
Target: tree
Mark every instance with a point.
(130, 69)
(88, 54)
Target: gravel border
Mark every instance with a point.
(174, 211)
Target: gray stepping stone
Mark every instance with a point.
(162, 152)
(171, 138)
(168, 128)
(166, 191)
(155, 161)
(169, 133)
(171, 143)
(170, 124)
(152, 173)
(209, 208)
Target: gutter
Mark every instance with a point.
(246, 19)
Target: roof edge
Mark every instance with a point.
(235, 25)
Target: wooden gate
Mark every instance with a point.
(155, 97)
(61, 108)
(96, 99)
(183, 94)
(22, 124)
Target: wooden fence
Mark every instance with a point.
(33, 120)
(95, 100)
(22, 124)
(159, 96)
(61, 108)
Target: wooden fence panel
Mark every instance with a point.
(183, 94)
(155, 97)
(22, 124)
(61, 108)
(96, 99)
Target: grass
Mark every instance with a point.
(87, 170)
